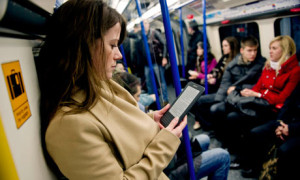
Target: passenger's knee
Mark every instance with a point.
(223, 154)
(214, 109)
(217, 108)
(203, 140)
(233, 116)
(283, 150)
(202, 137)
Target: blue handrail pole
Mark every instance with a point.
(205, 44)
(176, 80)
(124, 58)
(181, 44)
(138, 5)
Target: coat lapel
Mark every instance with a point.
(129, 129)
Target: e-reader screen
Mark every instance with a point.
(183, 103)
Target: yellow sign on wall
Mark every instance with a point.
(16, 90)
(7, 166)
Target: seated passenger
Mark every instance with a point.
(198, 75)
(213, 163)
(230, 50)
(92, 127)
(285, 133)
(244, 70)
(279, 78)
(132, 84)
(120, 66)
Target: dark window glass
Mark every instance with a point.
(289, 26)
(240, 31)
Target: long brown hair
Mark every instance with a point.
(210, 55)
(234, 47)
(65, 60)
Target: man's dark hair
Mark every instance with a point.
(249, 41)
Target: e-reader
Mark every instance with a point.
(183, 103)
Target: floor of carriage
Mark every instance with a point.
(234, 174)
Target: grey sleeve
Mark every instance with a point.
(159, 37)
(225, 84)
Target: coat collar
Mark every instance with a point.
(289, 64)
(117, 114)
(119, 91)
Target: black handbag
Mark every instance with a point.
(250, 106)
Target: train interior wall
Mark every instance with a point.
(23, 139)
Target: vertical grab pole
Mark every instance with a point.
(205, 43)
(181, 43)
(124, 58)
(148, 55)
(176, 80)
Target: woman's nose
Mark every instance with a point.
(118, 55)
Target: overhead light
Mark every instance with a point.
(183, 4)
(122, 5)
(171, 2)
(114, 4)
(156, 11)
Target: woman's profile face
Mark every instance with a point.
(200, 51)
(146, 26)
(275, 51)
(111, 39)
(225, 47)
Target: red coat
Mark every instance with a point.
(275, 89)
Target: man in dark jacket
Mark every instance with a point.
(195, 36)
(243, 71)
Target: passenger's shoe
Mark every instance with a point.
(197, 125)
(235, 164)
(250, 173)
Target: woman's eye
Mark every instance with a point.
(113, 46)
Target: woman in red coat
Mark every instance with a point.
(280, 75)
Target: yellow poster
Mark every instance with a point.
(7, 166)
(16, 91)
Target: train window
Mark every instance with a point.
(289, 26)
(240, 31)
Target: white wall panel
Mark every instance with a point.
(24, 142)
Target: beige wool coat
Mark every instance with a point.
(111, 141)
